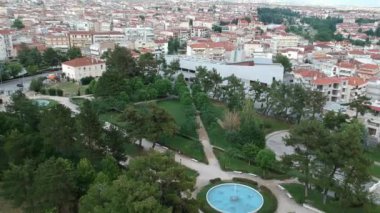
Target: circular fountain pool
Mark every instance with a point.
(42, 102)
(234, 198)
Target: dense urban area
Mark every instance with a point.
(188, 106)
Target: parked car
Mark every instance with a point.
(20, 85)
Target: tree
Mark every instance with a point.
(174, 182)
(173, 46)
(84, 175)
(172, 69)
(51, 57)
(17, 184)
(58, 131)
(120, 60)
(160, 123)
(360, 105)
(250, 151)
(51, 177)
(73, 53)
(147, 64)
(231, 121)
(216, 81)
(306, 137)
(334, 121)
(36, 84)
(284, 61)
(217, 28)
(115, 141)
(122, 195)
(89, 126)
(258, 90)
(233, 93)
(265, 159)
(14, 69)
(136, 119)
(17, 23)
(317, 101)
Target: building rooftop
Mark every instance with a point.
(84, 61)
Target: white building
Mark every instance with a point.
(6, 45)
(281, 42)
(139, 33)
(116, 37)
(83, 67)
(246, 71)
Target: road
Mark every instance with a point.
(11, 86)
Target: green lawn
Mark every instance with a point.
(270, 201)
(178, 111)
(188, 147)
(315, 199)
(217, 134)
(374, 154)
(112, 117)
(78, 101)
(133, 150)
(374, 170)
(69, 88)
(233, 164)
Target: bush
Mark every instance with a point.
(247, 181)
(215, 180)
(59, 92)
(52, 92)
(86, 80)
(43, 91)
(36, 84)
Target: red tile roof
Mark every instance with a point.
(355, 81)
(328, 80)
(369, 66)
(84, 61)
(307, 73)
(346, 64)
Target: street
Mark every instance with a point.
(11, 86)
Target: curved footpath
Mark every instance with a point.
(211, 170)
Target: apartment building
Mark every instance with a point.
(139, 33)
(334, 88)
(57, 40)
(6, 45)
(116, 37)
(280, 42)
(81, 39)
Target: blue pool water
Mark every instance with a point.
(234, 198)
(42, 102)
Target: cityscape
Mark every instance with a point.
(231, 106)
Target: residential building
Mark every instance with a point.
(81, 39)
(83, 67)
(57, 41)
(115, 37)
(334, 88)
(373, 89)
(139, 33)
(6, 45)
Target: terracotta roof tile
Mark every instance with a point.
(84, 61)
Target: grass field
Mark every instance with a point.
(69, 88)
(78, 101)
(112, 117)
(189, 147)
(315, 199)
(270, 201)
(374, 154)
(374, 170)
(178, 111)
(233, 164)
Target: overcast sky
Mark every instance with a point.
(363, 3)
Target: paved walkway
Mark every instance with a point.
(276, 143)
(211, 170)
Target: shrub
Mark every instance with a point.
(86, 80)
(59, 92)
(43, 91)
(36, 84)
(52, 91)
(243, 180)
(215, 180)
